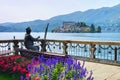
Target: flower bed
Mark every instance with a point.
(41, 68)
(56, 68)
(13, 65)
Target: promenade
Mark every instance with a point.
(103, 71)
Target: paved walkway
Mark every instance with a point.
(103, 71)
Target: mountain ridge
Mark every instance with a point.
(106, 17)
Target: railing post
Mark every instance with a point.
(43, 46)
(115, 54)
(92, 50)
(15, 46)
(65, 48)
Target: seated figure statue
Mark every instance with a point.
(29, 40)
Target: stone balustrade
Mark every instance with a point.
(97, 51)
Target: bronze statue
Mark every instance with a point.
(29, 40)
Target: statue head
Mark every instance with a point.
(28, 30)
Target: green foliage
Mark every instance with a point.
(70, 74)
(81, 24)
(8, 76)
(44, 78)
(57, 70)
(92, 28)
(99, 29)
(55, 74)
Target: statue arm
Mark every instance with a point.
(32, 38)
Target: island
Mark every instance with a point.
(79, 27)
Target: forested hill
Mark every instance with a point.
(107, 17)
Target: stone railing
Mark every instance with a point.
(97, 51)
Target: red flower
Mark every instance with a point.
(28, 74)
(6, 66)
(2, 62)
(19, 67)
(14, 68)
(36, 78)
(11, 63)
(23, 70)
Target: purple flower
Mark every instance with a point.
(21, 78)
(68, 68)
(41, 67)
(75, 78)
(33, 60)
(34, 70)
(27, 78)
(29, 67)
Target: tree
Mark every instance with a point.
(99, 29)
(92, 28)
(78, 24)
(81, 24)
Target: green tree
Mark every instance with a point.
(99, 29)
(81, 24)
(92, 28)
(78, 24)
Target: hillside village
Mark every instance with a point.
(79, 27)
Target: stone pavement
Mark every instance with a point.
(103, 71)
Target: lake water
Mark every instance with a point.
(64, 36)
(70, 36)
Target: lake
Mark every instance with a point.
(64, 36)
(72, 36)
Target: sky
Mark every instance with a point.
(28, 10)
